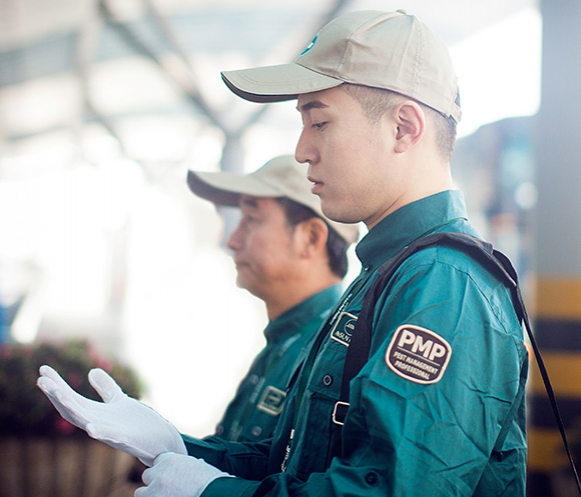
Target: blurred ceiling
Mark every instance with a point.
(28, 21)
(67, 65)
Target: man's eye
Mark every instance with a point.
(318, 125)
(245, 221)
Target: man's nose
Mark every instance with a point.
(234, 240)
(304, 151)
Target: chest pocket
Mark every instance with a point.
(327, 369)
(313, 451)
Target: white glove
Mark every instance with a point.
(119, 421)
(175, 475)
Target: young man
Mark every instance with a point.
(288, 254)
(438, 409)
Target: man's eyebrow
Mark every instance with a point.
(249, 202)
(313, 104)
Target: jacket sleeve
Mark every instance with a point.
(246, 460)
(461, 435)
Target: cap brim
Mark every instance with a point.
(225, 188)
(276, 83)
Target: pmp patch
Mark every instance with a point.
(343, 328)
(418, 354)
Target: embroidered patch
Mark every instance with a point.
(343, 328)
(271, 401)
(418, 354)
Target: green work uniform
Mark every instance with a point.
(438, 409)
(254, 411)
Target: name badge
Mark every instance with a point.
(271, 401)
(343, 329)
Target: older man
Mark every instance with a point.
(288, 254)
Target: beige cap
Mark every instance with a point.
(390, 50)
(282, 176)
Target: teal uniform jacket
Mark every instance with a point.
(254, 411)
(439, 408)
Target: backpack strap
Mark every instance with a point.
(360, 345)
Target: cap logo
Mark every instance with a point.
(311, 45)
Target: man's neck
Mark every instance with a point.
(277, 303)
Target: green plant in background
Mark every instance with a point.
(24, 409)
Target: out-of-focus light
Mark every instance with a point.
(499, 71)
(99, 148)
(526, 195)
(26, 323)
(118, 183)
(54, 153)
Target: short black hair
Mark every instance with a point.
(336, 245)
(376, 101)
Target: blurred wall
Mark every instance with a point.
(558, 247)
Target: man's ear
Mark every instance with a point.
(411, 125)
(313, 233)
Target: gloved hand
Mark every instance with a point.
(176, 475)
(119, 421)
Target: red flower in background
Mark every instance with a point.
(24, 409)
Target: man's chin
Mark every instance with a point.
(244, 283)
(338, 214)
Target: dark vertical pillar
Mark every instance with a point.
(557, 308)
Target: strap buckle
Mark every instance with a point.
(339, 413)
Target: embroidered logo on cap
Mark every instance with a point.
(418, 354)
(343, 328)
(311, 45)
(272, 401)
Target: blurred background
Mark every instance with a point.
(105, 105)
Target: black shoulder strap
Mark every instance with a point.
(360, 345)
